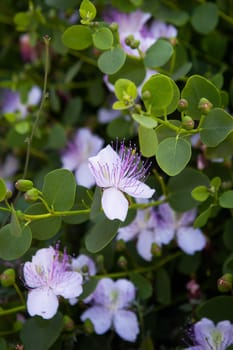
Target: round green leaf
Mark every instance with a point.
(13, 247)
(216, 126)
(217, 309)
(87, 11)
(148, 141)
(111, 61)
(59, 189)
(173, 154)
(163, 287)
(124, 89)
(197, 87)
(144, 287)
(103, 39)
(202, 218)
(120, 128)
(205, 17)
(77, 37)
(200, 193)
(226, 199)
(3, 189)
(158, 54)
(145, 121)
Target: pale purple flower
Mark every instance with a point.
(8, 169)
(75, 156)
(110, 308)
(106, 115)
(11, 102)
(116, 173)
(207, 336)
(48, 276)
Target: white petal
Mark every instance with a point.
(42, 302)
(100, 317)
(145, 240)
(126, 325)
(31, 276)
(126, 292)
(103, 292)
(81, 261)
(84, 176)
(137, 190)
(114, 203)
(44, 257)
(34, 96)
(68, 285)
(190, 240)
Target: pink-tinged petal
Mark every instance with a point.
(226, 329)
(126, 292)
(190, 240)
(42, 302)
(83, 175)
(114, 203)
(126, 325)
(100, 317)
(31, 276)
(68, 284)
(137, 189)
(145, 240)
(103, 292)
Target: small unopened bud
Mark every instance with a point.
(122, 262)
(182, 105)
(120, 245)
(146, 95)
(31, 195)
(187, 122)
(114, 26)
(68, 323)
(85, 269)
(155, 249)
(135, 44)
(225, 283)
(88, 326)
(23, 185)
(8, 194)
(138, 108)
(205, 105)
(7, 278)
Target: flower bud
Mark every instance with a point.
(31, 195)
(68, 323)
(122, 262)
(120, 245)
(156, 249)
(23, 185)
(225, 283)
(205, 105)
(182, 105)
(187, 122)
(88, 326)
(146, 95)
(114, 26)
(8, 194)
(7, 278)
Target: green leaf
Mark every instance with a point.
(188, 264)
(226, 199)
(57, 137)
(13, 247)
(3, 345)
(22, 127)
(103, 39)
(181, 186)
(120, 128)
(144, 287)
(148, 141)
(101, 234)
(61, 4)
(96, 204)
(43, 228)
(109, 62)
(77, 37)
(228, 264)
(227, 235)
(3, 189)
(59, 189)
(145, 121)
(200, 193)
(217, 309)
(125, 89)
(173, 154)
(205, 17)
(163, 287)
(120, 105)
(203, 217)
(88, 288)
(87, 11)
(195, 88)
(40, 334)
(216, 126)
(158, 54)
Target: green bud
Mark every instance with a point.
(182, 105)
(156, 250)
(225, 283)
(129, 39)
(8, 194)
(17, 326)
(114, 26)
(135, 44)
(85, 269)
(187, 122)
(7, 278)
(122, 262)
(120, 245)
(88, 326)
(205, 105)
(31, 195)
(146, 95)
(68, 323)
(23, 185)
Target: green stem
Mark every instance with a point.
(18, 291)
(44, 96)
(226, 18)
(13, 310)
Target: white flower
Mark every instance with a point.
(110, 308)
(75, 156)
(49, 276)
(207, 336)
(118, 173)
